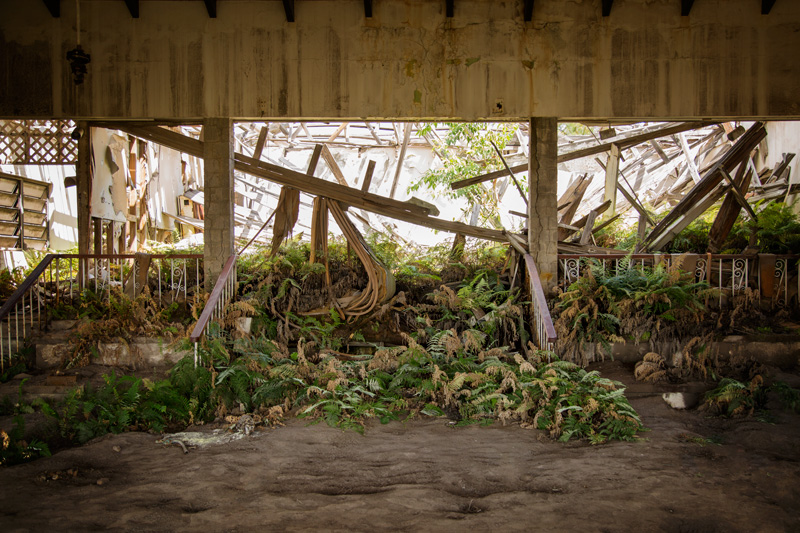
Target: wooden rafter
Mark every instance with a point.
(288, 7)
(368, 9)
(607, 7)
(133, 8)
(623, 142)
(527, 11)
(686, 7)
(315, 186)
(211, 7)
(766, 6)
(54, 7)
(450, 8)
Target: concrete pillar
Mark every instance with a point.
(543, 201)
(219, 196)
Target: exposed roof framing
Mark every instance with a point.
(211, 7)
(54, 7)
(527, 10)
(686, 7)
(766, 6)
(133, 7)
(450, 8)
(607, 7)
(288, 6)
(368, 9)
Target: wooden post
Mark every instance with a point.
(83, 171)
(110, 237)
(122, 247)
(612, 174)
(98, 236)
(21, 200)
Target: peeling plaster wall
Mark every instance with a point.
(782, 138)
(409, 60)
(62, 204)
(109, 200)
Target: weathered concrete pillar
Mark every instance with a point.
(219, 196)
(543, 201)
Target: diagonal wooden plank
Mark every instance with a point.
(314, 186)
(624, 143)
(729, 211)
(327, 155)
(706, 192)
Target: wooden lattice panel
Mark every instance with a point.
(37, 142)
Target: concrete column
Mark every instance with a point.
(543, 201)
(219, 196)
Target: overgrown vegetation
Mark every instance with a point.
(467, 151)
(630, 303)
(777, 231)
(462, 351)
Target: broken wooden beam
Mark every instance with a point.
(262, 140)
(510, 172)
(327, 155)
(580, 224)
(587, 227)
(706, 192)
(400, 158)
(612, 177)
(368, 176)
(314, 186)
(729, 211)
(624, 143)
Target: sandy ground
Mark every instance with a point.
(424, 476)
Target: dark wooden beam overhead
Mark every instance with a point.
(288, 6)
(527, 11)
(607, 7)
(450, 8)
(211, 7)
(686, 7)
(766, 6)
(133, 7)
(54, 7)
(368, 8)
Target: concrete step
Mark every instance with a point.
(140, 352)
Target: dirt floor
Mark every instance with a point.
(426, 475)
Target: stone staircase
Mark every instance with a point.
(53, 347)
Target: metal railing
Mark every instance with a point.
(770, 275)
(224, 290)
(62, 278)
(542, 321)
